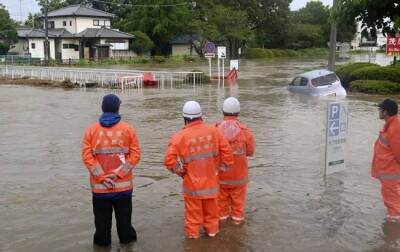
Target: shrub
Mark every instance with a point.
(344, 71)
(276, 52)
(200, 77)
(255, 53)
(375, 73)
(375, 87)
(160, 59)
(291, 52)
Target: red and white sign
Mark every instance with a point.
(209, 55)
(393, 45)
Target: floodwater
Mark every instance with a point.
(46, 201)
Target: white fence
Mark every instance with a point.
(111, 78)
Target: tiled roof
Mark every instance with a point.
(63, 33)
(78, 11)
(104, 33)
(40, 33)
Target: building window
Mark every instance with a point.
(101, 22)
(50, 24)
(64, 23)
(70, 23)
(69, 46)
(76, 48)
(33, 45)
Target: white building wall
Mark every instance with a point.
(86, 22)
(78, 24)
(38, 51)
(69, 23)
(69, 53)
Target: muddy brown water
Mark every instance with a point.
(46, 201)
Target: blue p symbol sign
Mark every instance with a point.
(334, 112)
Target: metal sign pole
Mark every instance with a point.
(218, 70)
(209, 66)
(223, 66)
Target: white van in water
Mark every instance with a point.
(318, 83)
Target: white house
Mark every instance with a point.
(74, 32)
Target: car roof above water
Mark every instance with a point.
(315, 73)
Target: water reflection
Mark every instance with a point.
(46, 201)
(231, 238)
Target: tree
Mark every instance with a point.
(159, 20)
(34, 20)
(223, 23)
(270, 21)
(311, 27)
(381, 15)
(142, 43)
(8, 32)
(306, 36)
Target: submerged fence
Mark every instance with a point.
(111, 78)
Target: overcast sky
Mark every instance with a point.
(19, 9)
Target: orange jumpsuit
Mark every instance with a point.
(386, 166)
(234, 183)
(203, 151)
(110, 150)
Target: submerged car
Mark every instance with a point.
(318, 83)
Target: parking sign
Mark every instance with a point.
(336, 137)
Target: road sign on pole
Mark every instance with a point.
(209, 47)
(209, 55)
(221, 52)
(336, 137)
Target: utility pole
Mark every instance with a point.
(191, 28)
(332, 42)
(46, 34)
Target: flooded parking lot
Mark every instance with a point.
(46, 201)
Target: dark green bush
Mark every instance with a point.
(291, 52)
(160, 59)
(200, 78)
(256, 53)
(375, 86)
(276, 52)
(375, 73)
(344, 71)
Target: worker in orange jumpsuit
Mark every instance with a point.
(386, 159)
(233, 184)
(203, 152)
(110, 150)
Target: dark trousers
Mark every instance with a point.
(103, 209)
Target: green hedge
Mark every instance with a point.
(375, 87)
(344, 71)
(376, 73)
(262, 53)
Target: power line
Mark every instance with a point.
(143, 5)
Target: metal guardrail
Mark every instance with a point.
(103, 77)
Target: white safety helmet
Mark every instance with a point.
(191, 110)
(231, 106)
